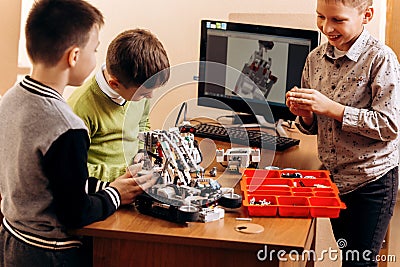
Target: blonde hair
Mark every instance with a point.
(361, 5)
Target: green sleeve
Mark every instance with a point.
(105, 173)
(144, 124)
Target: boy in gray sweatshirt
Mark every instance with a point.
(44, 181)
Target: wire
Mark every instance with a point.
(183, 107)
(223, 165)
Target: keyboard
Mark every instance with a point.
(243, 136)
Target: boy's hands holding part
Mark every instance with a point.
(130, 184)
(305, 102)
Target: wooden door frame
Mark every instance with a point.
(392, 32)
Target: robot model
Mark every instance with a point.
(257, 74)
(238, 158)
(181, 193)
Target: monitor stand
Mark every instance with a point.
(260, 121)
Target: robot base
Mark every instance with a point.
(149, 205)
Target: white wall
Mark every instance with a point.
(177, 25)
(177, 22)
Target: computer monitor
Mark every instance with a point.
(249, 68)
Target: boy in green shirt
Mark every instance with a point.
(114, 103)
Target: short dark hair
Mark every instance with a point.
(55, 25)
(135, 56)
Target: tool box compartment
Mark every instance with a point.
(261, 205)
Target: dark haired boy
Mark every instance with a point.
(114, 103)
(43, 172)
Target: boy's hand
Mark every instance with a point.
(295, 108)
(134, 169)
(304, 102)
(130, 185)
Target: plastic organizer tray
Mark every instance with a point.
(290, 193)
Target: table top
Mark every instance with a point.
(128, 223)
(291, 233)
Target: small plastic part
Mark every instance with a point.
(213, 172)
(243, 219)
(211, 214)
(238, 158)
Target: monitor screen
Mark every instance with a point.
(249, 68)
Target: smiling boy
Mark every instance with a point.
(349, 98)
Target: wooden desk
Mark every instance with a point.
(128, 238)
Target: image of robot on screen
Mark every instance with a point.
(257, 74)
(261, 65)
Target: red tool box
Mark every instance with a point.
(290, 193)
